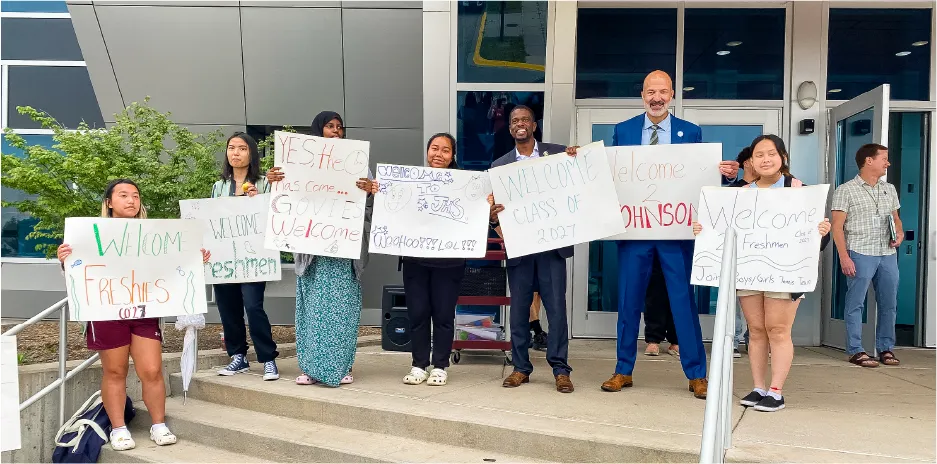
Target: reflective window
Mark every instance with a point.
(33, 6)
(617, 47)
(39, 39)
(64, 92)
(734, 53)
(483, 125)
(16, 225)
(502, 41)
(871, 47)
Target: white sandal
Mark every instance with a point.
(162, 437)
(121, 440)
(437, 377)
(415, 377)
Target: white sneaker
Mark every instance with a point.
(162, 436)
(121, 440)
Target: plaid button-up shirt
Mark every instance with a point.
(867, 208)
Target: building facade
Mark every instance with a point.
(855, 72)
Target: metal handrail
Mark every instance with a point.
(717, 421)
(63, 356)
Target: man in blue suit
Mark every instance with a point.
(636, 257)
(544, 272)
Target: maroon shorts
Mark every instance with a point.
(107, 335)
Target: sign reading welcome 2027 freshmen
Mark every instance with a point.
(658, 187)
(234, 234)
(428, 212)
(317, 209)
(556, 201)
(777, 238)
(133, 268)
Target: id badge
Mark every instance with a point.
(877, 222)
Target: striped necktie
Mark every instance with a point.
(654, 134)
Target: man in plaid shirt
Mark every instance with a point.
(864, 210)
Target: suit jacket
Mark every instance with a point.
(628, 133)
(510, 157)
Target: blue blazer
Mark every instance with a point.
(628, 133)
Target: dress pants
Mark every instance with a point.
(635, 258)
(658, 319)
(545, 272)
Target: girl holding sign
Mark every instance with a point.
(240, 176)
(770, 315)
(117, 341)
(328, 293)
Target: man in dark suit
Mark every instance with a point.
(637, 257)
(544, 272)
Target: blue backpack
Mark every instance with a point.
(80, 439)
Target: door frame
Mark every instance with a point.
(834, 330)
(603, 324)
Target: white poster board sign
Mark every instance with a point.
(317, 209)
(9, 396)
(658, 187)
(778, 242)
(430, 213)
(556, 201)
(234, 234)
(134, 268)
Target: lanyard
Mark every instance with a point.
(878, 211)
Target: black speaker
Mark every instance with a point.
(395, 322)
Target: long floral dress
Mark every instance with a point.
(328, 312)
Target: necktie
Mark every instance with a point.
(654, 134)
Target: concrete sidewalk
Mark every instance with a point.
(836, 412)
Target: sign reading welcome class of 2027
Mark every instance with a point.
(234, 234)
(133, 268)
(428, 212)
(777, 241)
(317, 209)
(556, 201)
(658, 187)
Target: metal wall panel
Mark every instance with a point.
(85, 22)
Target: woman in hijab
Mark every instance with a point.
(328, 293)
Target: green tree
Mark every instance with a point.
(167, 161)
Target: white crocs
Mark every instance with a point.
(437, 377)
(162, 436)
(121, 440)
(415, 377)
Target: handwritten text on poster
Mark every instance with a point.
(133, 268)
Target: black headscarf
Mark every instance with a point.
(323, 118)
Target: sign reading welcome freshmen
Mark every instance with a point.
(777, 238)
(556, 201)
(133, 268)
(234, 234)
(431, 213)
(317, 209)
(658, 187)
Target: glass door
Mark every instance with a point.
(859, 121)
(595, 265)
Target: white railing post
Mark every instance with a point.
(63, 358)
(717, 421)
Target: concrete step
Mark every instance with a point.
(284, 439)
(183, 451)
(485, 429)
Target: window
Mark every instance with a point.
(502, 41)
(33, 6)
(16, 225)
(871, 47)
(39, 39)
(483, 125)
(617, 47)
(64, 92)
(734, 53)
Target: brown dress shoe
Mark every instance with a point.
(616, 383)
(698, 387)
(515, 379)
(563, 384)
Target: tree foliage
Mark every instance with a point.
(166, 160)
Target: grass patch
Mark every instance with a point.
(507, 49)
